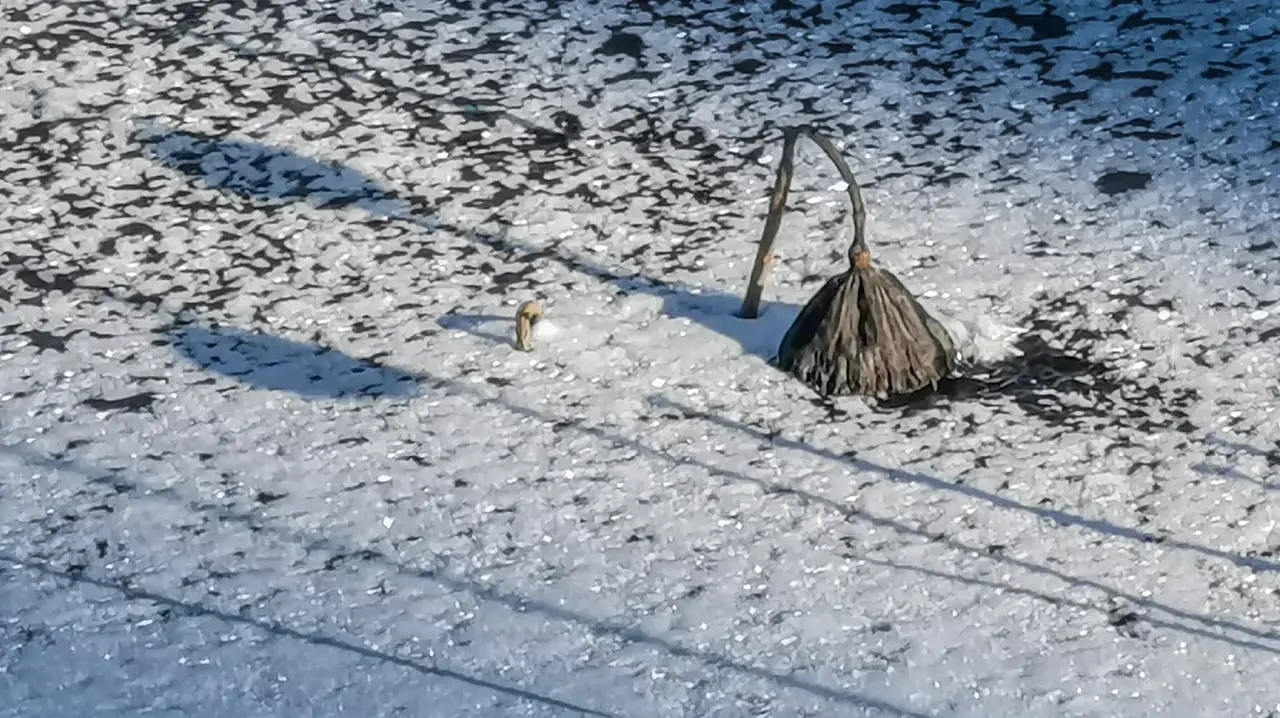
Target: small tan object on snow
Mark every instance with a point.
(527, 315)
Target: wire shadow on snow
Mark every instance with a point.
(488, 591)
(1057, 516)
(1272, 455)
(1215, 468)
(270, 362)
(267, 173)
(1173, 619)
(855, 514)
(281, 631)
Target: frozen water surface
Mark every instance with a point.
(266, 448)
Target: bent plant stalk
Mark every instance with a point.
(862, 332)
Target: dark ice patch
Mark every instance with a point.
(1106, 71)
(269, 497)
(44, 341)
(908, 12)
(47, 281)
(138, 229)
(622, 43)
(1219, 70)
(141, 401)
(567, 123)
(1145, 130)
(1119, 182)
(494, 44)
(1141, 19)
(1045, 26)
(1128, 622)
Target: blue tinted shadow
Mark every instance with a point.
(269, 362)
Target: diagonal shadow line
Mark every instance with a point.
(1056, 516)
(1062, 518)
(277, 629)
(1053, 600)
(521, 603)
(318, 542)
(899, 527)
(493, 594)
(896, 526)
(849, 514)
(392, 205)
(1211, 469)
(1271, 455)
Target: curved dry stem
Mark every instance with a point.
(855, 193)
(777, 205)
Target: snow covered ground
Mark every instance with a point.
(266, 448)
